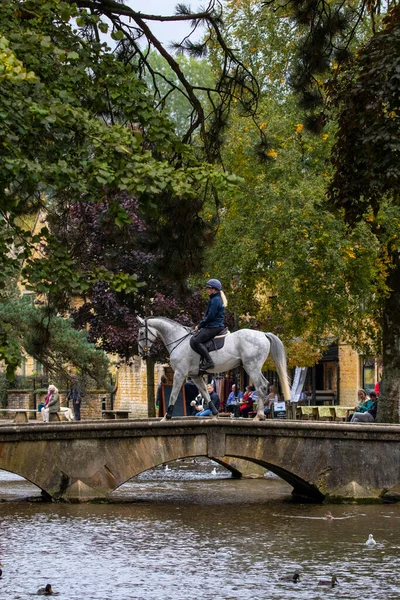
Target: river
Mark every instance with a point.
(189, 531)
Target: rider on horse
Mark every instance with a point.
(212, 324)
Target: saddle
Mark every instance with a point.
(218, 341)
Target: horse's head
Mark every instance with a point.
(146, 338)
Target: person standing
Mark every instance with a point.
(51, 404)
(163, 381)
(211, 325)
(191, 393)
(75, 395)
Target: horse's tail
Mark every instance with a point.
(279, 357)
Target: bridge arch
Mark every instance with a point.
(87, 461)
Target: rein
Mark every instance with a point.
(177, 342)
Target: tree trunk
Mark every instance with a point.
(388, 406)
(151, 402)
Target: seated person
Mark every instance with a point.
(369, 414)
(233, 399)
(270, 399)
(248, 399)
(362, 398)
(214, 398)
(197, 405)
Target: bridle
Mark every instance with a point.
(144, 350)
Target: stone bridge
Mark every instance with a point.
(323, 461)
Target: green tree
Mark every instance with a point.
(365, 186)
(293, 264)
(77, 125)
(50, 339)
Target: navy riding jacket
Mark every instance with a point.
(214, 316)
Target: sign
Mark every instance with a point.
(298, 383)
(180, 404)
(279, 410)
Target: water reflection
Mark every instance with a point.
(200, 539)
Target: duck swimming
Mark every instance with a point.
(45, 591)
(329, 515)
(332, 582)
(370, 541)
(295, 578)
(1, 572)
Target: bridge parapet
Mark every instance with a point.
(322, 461)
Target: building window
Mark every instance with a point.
(368, 373)
(38, 368)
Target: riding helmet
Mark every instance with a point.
(214, 283)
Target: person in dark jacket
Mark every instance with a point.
(212, 324)
(214, 398)
(75, 394)
(191, 392)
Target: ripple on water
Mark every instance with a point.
(237, 547)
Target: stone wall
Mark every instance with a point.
(131, 393)
(90, 408)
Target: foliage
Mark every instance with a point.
(365, 184)
(49, 339)
(77, 126)
(110, 313)
(367, 147)
(301, 271)
(80, 126)
(164, 83)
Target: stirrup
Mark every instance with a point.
(205, 365)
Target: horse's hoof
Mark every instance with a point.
(259, 417)
(168, 414)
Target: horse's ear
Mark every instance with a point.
(141, 321)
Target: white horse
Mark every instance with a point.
(246, 346)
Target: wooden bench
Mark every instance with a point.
(115, 414)
(323, 413)
(21, 414)
(341, 413)
(317, 413)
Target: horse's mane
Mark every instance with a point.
(170, 321)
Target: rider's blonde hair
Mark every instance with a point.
(223, 298)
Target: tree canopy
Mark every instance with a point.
(78, 126)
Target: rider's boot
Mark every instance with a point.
(169, 412)
(207, 362)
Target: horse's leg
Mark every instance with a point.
(176, 388)
(261, 385)
(201, 386)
